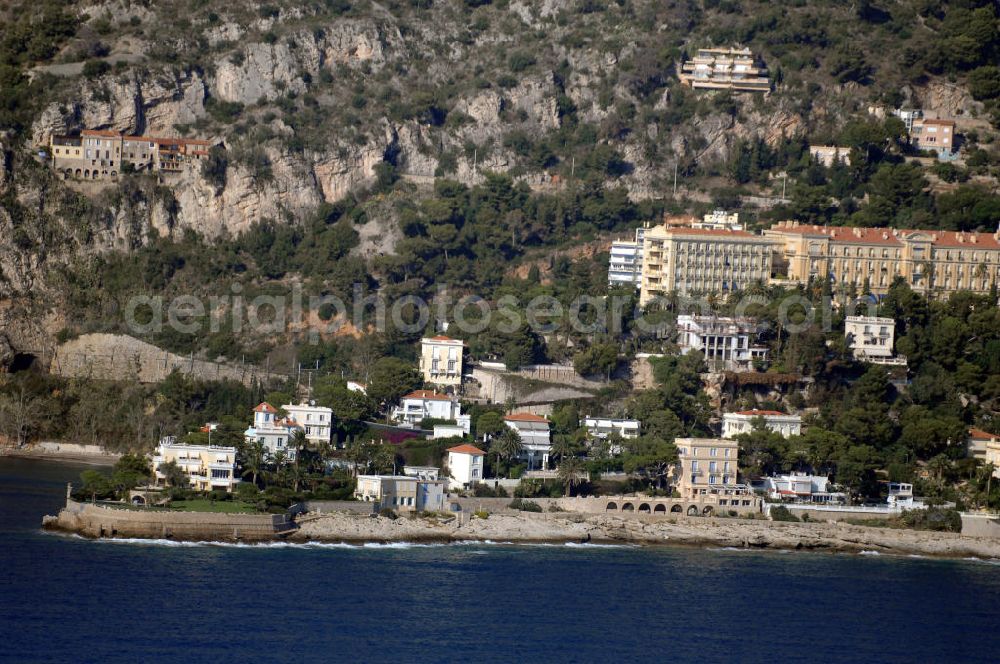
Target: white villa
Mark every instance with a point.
(273, 432)
(535, 437)
(602, 427)
(799, 487)
(208, 467)
(465, 466)
(722, 340)
(401, 493)
(316, 421)
(625, 262)
(441, 360)
(871, 339)
(425, 404)
(734, 424)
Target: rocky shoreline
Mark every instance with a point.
(609, 529)
(66, 452)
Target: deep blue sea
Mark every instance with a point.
(67, 599)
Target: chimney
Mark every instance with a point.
(857, 232)
(885, 236)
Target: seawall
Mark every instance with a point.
(102, 521)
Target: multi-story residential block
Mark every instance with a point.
(625, 263)
(97, 154)
(401, 493)
(427, 405)
(725, 342)
(933, 134)
(602, 427)
(803, 488)
(465, 466)
(273, 431)
(690, 260)
(828, 155)
(208, 467)
(724, 69)
(929, 261)
(316, 421)
(740, 422)
(441, 360)
(870, 339)
(707, 466)
(535, 438)
(719, 220)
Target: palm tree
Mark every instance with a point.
(569, 471)
(252, 453)
(507, 445)
(562, 447)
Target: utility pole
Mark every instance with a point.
(784, 179)
(572, 168)
(675, 179)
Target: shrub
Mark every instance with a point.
(524, 505)
(95, 68)
(388, 513)
(481, 514)
(782, 513)
(933, 518)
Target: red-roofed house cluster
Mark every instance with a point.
(275, 431)
(98, 154)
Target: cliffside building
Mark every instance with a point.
(724, 69)
(871, 339)
(97, 154)
(725, 342)
(740, 422)
(441, 360)
(625, 263)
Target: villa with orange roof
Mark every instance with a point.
(930, 261)
(441, 360)
(465, 466)
(535, 438)
(422, 405)
(273, 431)
(101, 154)
(734, 424)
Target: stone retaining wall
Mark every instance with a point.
(101, 521)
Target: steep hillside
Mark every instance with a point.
(334, 118)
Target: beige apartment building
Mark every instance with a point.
(441, 360)
(98, 154)
(707, 466)
(930, 261)
(724, 69)
(690, 260)
(208, 467)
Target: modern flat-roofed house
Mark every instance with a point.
(535, 438)
(935, 135)
(465, 466)
(724, 69)
(723, 341)
(208, 467)
(441, 360)
(734, 424)
(871, 339)
(602, 427)
(802, 488)
(401, 493)
(707, 466)
(719, 220)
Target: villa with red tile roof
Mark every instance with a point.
(930, 261)
(98, 154)
(465, 466)
(740, 422)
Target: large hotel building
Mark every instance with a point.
(936, 261)
(692, 260)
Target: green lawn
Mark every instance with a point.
(205, 505)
